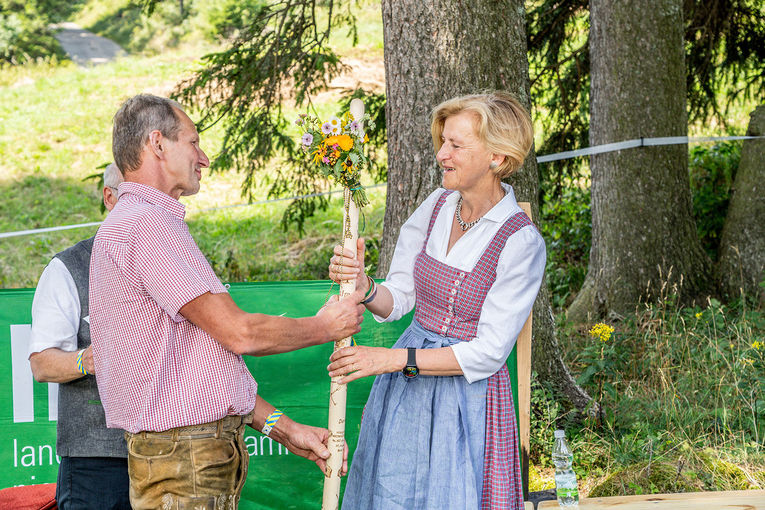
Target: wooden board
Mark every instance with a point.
(723, 500)
(523, 352)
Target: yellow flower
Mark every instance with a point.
(699, 314)
(319, 153)
(345, 142)
(601, 331)
(348, 165)
(757, 345)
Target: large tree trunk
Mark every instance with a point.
(435, 51)
(644, 242)
(741, 266)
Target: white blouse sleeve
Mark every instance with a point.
(520, 269)
(55, 310)
(400, 279)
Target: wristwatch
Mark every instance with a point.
(410, 370)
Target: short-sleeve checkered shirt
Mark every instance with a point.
(156, 370)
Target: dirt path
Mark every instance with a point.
(86, 48)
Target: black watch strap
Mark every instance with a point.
(410, 370)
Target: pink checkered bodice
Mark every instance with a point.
(449, 300)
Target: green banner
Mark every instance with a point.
(296, 382)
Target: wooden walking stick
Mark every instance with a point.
(337, 148)
(338, 392)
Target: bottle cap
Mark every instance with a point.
(560, 434)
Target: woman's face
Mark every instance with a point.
(463, 157)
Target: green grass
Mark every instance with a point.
(680, 386)
(55, 130)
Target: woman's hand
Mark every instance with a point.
(342, 266)
(361, 361)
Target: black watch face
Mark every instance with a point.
(411, 372)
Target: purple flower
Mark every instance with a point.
(307, 139)
(354, 127)
(326, 128)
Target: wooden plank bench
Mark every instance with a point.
(723, 500)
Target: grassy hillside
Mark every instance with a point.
(55, 130)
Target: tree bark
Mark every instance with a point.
(644, 241)
(435, 51)
(741, 265)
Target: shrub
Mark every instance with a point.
(227, 18)
(24, 34)
(567, 228)
(712, 169)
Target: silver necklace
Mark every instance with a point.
(464, 226)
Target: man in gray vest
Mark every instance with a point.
(93, 470)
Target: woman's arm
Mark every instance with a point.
(507, 305)
(362, 361)
(395, 298)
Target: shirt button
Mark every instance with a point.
(451, 309)
(462, 275)
(453, 291)
(444, 329)
(456, 283)
(447, 320)
(451, 300)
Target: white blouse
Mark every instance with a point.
(520, 269)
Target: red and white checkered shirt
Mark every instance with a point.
(156, 370)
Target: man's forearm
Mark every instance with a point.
(261, 412)
(267, 334)
(255, 334)
(54, 365)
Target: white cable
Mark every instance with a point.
(589, 151)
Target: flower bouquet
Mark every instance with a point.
(337, 148)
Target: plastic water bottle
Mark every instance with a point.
(565, 479)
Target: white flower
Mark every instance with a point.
(335, 125)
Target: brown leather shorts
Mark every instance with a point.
(199, 466)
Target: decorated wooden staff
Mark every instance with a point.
(337, 147)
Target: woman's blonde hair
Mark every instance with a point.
(503, 126)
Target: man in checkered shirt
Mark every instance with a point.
(168, 338)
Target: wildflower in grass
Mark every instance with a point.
(757, 345)
(699, 314)
(601, 331)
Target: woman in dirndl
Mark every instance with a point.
(439, 429)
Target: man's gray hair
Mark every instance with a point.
(112, 176)
(135, 120)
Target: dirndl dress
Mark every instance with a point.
(439, 442)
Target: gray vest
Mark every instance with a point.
(82, 428)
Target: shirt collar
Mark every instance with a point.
(501, 211)
(154, 197)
